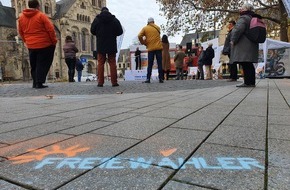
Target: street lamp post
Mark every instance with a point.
(23, 67)
(62, 24)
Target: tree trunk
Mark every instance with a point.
(283, 23)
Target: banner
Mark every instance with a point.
(140, 75)
(119, 43)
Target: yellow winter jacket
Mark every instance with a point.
(150, 37)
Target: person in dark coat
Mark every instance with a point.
(138, 59)
(207, 61)
(244, 51)
(106, 27)
(79, 68)
(70, 51)
(227, 51)
(179, 60)
(200, 73)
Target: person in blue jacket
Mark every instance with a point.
(79, 68)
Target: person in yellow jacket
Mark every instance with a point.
(150, 37)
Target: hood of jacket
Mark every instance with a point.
(30, 12)
(251, 13)
(106, 17)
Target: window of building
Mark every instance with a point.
(20, 8)
(94, 2)
(84, 41)
(47, 9)
(74, 37)
(92, 43)
(120, 66)
(99, 3)
(83, 5)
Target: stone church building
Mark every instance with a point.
(70, 17)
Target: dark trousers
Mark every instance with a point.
(179, 73)
(138, 63)
(249, 73)
(71, 64)
(233, 71)
(158, 55)
(40, 62)
(200, 73)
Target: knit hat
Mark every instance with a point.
(150, 19)
(104, 9)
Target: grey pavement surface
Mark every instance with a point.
(176, 135)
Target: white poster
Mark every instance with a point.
(217, 50)
(119, 43)
(287, 6)
(192, 71)
(140, 75)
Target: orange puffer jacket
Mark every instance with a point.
(36, 30)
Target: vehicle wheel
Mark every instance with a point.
(280, 70)
(88, 80)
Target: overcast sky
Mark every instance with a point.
(133, 16)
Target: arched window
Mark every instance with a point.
(74, 37)
(100, 3)
(92, 43)
(83, 5)
(47, 9)
(84, 41)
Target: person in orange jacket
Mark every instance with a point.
(37, 32)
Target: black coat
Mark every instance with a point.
(106, 27)
(208, 56)
(227, 45)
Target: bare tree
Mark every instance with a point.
(203, 15)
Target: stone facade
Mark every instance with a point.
(70, 17)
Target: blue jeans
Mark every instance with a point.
(158, 55)
(79, 75)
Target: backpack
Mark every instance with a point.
(257, 30)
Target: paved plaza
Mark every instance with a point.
(184, 135)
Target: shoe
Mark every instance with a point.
(100, 85)
(161, 81)
(40, 85)
(146, 81)
(232, 80)
(246, 85)
(114, 85)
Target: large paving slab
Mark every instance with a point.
(49, 167)
(224, 167)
